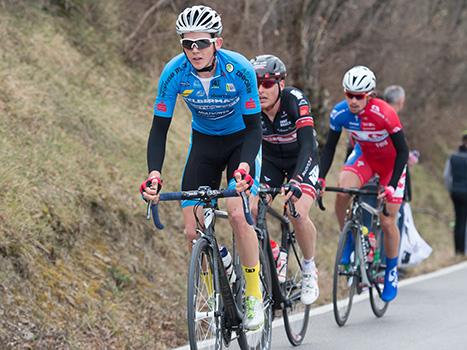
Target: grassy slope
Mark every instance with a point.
(80, 266)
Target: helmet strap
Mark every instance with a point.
(209, 67)
(280, 92)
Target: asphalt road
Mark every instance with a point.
(430, 312)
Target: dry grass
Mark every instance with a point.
(81, 268)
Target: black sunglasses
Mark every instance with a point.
(200, 44)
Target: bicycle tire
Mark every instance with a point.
(378, 306)
(203, 307)
(343, 286)
(296, 315)
(261, 339)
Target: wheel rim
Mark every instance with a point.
(344, 282)
(296, 314)
(378, 306)
(203, 311)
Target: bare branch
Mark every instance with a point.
(143, 19)
(263, 21)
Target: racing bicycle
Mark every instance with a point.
(214, 305)
(359, 263)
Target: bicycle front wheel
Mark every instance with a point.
(345, 277)
(204, 301)
(296, 314)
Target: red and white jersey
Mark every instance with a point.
(371, 128)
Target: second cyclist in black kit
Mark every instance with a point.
(290, 153)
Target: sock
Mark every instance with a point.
(206, 276)
(390, 280)
(252, 281)
(348, 249)
(308, 265)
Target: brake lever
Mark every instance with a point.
(292, 210)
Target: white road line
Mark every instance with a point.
(328, 307)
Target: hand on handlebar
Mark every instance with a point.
(243, 178)
(294, 191)
(150, 188)
(321, 184)
(387, 193)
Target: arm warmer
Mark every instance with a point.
(328, 152)
(156, 142)
(308, 153)
(253, 138)
(398, 139)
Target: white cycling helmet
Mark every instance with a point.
(359, 79)
(199, 19)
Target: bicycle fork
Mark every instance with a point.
(360, 251)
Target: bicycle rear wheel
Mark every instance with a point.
(345, 276)
(204, 300)
(261, 338)
(296, 314)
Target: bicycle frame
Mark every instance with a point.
(279, 300)
(360, 247)
(354, 215)
(232, 316)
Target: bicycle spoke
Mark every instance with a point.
(203, 319)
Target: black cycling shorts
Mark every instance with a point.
(274, 172)
(209, 156)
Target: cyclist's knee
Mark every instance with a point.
(342, 199)
(237, 218)
(190, 233)
(388, 221)
(302, 219)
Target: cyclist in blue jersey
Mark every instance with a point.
(219, 87)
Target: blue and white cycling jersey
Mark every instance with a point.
(233, 93)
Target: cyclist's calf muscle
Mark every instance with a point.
(391, 231)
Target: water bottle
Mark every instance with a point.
(282, 266)
(372, 241)
(275, 249)
(365, 240)
(228, 265)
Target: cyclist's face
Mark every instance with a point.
(356, 102)
(268, 93)
(200, 58)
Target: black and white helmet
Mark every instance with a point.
(269, 67)
(359, 79)
(199, 19)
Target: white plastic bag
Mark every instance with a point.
(413, 249)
